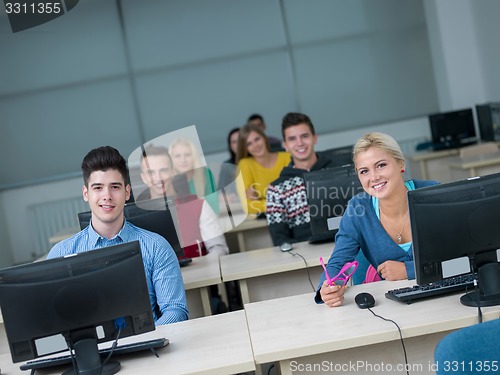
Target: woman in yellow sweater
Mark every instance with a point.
(259, 167)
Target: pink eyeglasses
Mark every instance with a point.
(343, 276)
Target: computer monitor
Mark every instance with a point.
(339, 156)
(454, 220)
(452, 129)
(328, 191)
(76, 301)
(153, 215)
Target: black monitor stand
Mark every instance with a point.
(87, 358)
(488, 283)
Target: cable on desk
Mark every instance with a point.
(478, 302)
(307, 270)
(400, 335)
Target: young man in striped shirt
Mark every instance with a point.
(106, 189)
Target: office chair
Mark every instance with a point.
(466, 350)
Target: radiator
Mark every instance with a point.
(51, 218)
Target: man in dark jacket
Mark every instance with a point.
(287, 210)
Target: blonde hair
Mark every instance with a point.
(381, 141)
(245, 131)
(199, 179)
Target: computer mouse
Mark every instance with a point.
(285, 246)
(364, 300)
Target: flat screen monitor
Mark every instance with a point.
(328, 191)
(76, 302)
(454, 220)
(452, 129)
(339, 156)
(153, 215)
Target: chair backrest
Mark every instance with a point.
(479, 149)
(474, 344)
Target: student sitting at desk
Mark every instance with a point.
(258, 166)
(106, 189)
(287, 209)
(377, 220)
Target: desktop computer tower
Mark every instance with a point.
(488, 117)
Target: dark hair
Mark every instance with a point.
(293, 119)
(152, 150)
(232, 154)
(255, 116)
(103, 159)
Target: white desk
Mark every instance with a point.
(479, 165)
(433, 165)
(270, 273)
(250, 234)
(201, 273)
(217, 345)
(296, 331)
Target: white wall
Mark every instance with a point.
(356, 63)
(6, 258)
(16, 204)
(455, 53)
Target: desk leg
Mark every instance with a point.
(205, 301)
(241, 241)
(284, 368)
(245, 297)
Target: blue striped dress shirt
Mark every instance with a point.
(163, 275)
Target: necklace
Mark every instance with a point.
(399, 237)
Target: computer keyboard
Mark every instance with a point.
(120, 349)
(446, 286)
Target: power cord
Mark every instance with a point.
(400, 335)
(71, 353)
(115, 343)
(478, 302)
(307, 270)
